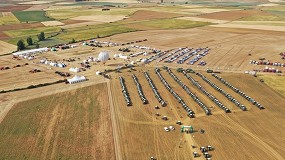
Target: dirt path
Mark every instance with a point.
(114, 125)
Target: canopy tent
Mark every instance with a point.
(76, 79)
(74, 70)
(32, 51)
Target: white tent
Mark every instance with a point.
(74, 70)
(76, 79)
(32, 51)
(98, 73)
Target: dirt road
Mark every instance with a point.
(114, 125)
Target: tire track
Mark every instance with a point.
(264, 146)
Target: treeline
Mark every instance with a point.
(32, 86)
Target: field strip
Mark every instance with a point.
(257, 27)
(265, 147)
(114, 125)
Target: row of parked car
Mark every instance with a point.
(192, 95)
(190, 112)
(227, 95)
(204, 91)
(139, 88)
(125, 91)
(238, 91)
(189, 55)
(154, 89)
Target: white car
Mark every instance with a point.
(166, 129)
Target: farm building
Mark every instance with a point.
(76, 79)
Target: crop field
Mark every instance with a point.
(234, 15)
(238, 126)
(30, 32)
(92, 32)
(61, 126)
(167, 24)
(275, 82)
(150, 15)
(71, 13)
(8, 18)
(156, 79)
(32, 16)
(6, 47)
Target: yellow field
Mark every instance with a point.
(64, 125)
(6, 47)
(275, 82)
(8, 18)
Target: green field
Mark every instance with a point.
(32, 16)
(261, 18)
(171, 24)
(275, 82)
(61, 126)
(92, 32)
(31, 32)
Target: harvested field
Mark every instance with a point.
(14, 8)
(69, 21)
(8, 18)
(221, 129)
(52, 23)
(6, 47)
(234, 15)
(3, 36)
(100, 18)
(205, 10)
(255, 27)
(37, 8)
(203, 20)
(149, 15)
(20, 26)
(36, 2)
(49, 123)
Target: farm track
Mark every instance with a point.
(114, 124)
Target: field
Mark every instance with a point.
(6, 47)
(167, 24)
(8, 18)
(61, 126)
(276, 82)
(42, 117)
(32, 16)
(92, 32)
(52, 23)
(238, 127)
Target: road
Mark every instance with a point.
(114, 124)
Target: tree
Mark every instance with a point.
(29, 41)
(21, 45)
(73, 40)
(41, 36)
(37, 45)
